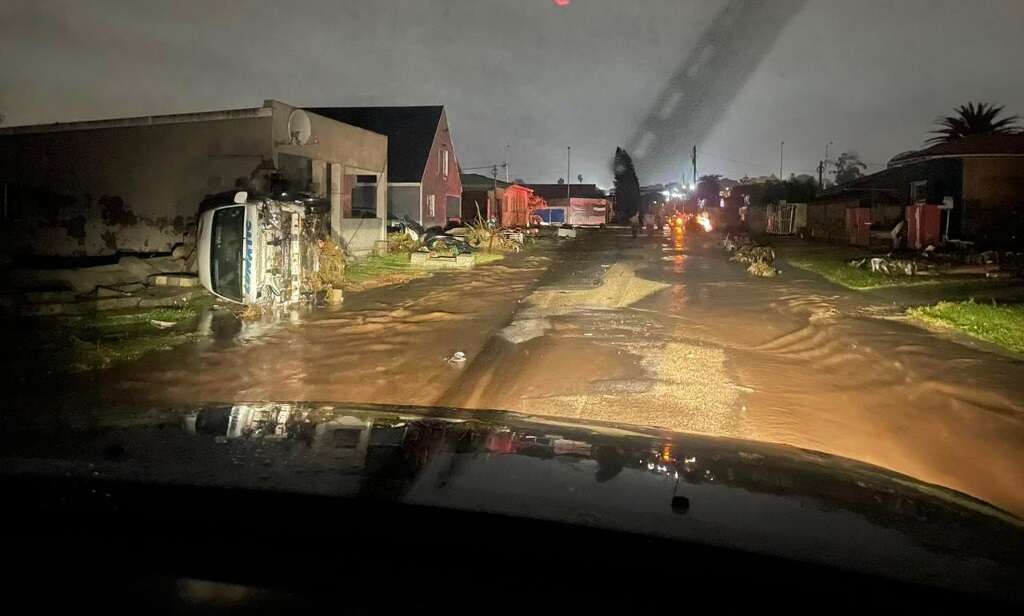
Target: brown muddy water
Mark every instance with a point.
(387, 345)
(648, 331)
(699, 345)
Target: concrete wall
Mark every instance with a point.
(826, 220)
(404, 200)
(993, 182)
(93, 189)
(993, 195)
(134, 185)
(357, 235)
(357, 150)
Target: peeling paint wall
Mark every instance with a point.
(99, 191)
(135, 185)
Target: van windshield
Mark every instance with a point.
(226, 252)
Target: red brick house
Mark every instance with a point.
(423, 170)
(505, 202)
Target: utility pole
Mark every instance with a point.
(824, 166)
(821, 171)
(782, 146)
(494, 176)
(507, 162)
(568, 175)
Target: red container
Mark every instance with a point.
(924, 225)
(858, 225)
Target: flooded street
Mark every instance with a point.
(648, 331)
(386, 345)
(659, 333)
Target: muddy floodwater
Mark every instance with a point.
(658, 332)
(652, 331)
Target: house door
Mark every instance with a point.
(858, 225)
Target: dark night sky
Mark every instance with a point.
(870, 76)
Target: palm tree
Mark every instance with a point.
(974, 119)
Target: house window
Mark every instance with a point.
(444, 163)
(919, 191)
(431, 206)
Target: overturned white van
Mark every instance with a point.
(259, 251)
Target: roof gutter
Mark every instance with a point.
(176, 118)
(921, 159)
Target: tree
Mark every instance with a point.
(627, 186)
(974, 119)
(708, 187)
(847, 168)
(561, 180)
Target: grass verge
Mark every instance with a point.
(1000, 324)
(483, 257)
(381, 271)
(72, 344)
(840, 272)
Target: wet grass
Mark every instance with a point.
(1001, 324)
(483, 257)
(380, 271)
(395, 269)
(837, 270)
(74, 344)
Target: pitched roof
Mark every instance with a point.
(558, 191)
(976, 145)
(410, 132)
(478, 181)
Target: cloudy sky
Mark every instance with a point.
(868, 75)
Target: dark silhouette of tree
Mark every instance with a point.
(799, 189)
(561, 180)
(847, 168)
(627, 186)
(708, 187)
(974, 119)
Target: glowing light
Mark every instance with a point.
(562, 2)
(704, 221)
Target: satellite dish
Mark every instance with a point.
(299, 127)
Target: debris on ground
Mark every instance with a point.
(161, 324)
(887, 265)
(753, 254)
(401, 243)
(174, 280)
(951, 259)
(330, 273)
(458, 358)
(763, 269)
(760, 260)
(734, 241)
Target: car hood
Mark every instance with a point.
(738, 494)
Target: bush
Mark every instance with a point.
(401, 243)
(331, 274)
